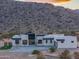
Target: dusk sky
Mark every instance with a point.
(72, 4)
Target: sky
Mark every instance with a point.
(72, 4)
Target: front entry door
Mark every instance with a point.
(31, 42)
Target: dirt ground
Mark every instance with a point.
(17, 55)
(14, 55)
(25, 55)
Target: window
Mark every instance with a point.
(31, 36)
(31, 42)
(16, 41)
(24, 42)
(50, 41)
(39, 41)
(62, 41)
(46, 41)
(72, 41)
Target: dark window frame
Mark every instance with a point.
(46, 41)
(61, 40)
(24, 42)
(39, 41)
(17, 41)
(50, 41)
(72, 41)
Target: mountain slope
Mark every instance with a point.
(22, 17)
(76, 11)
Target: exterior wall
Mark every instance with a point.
(48, 43)
(78, 44)
(59, 44)
(48, 40)
(68, 42)
(16, 36)
(21, 43)
(39, 38)
(13, 43)
(1, 43)
(23, 37)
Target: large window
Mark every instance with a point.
(31, 42)
(39, 41)
(60, 40)
(24, 42)
(31, 36)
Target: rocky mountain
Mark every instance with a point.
(76, 11)
(41, 18)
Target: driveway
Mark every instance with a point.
(28, 49)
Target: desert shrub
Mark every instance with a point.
(65, 55)
(52, 49)
(40, 56)
(35, 52)
(76, 55)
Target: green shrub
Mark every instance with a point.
(36, 52)
(6, 46)
(40, 56)
(52, 49)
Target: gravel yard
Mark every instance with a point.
(14, 55)
(21, 53)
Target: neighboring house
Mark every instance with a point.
(1, 43)
(5, 41)
(55, 40)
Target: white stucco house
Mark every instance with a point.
(20, 40)
(55, 40)
(23, 39)
(61, 40)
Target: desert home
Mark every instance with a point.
(52, 40)
(55, 40)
